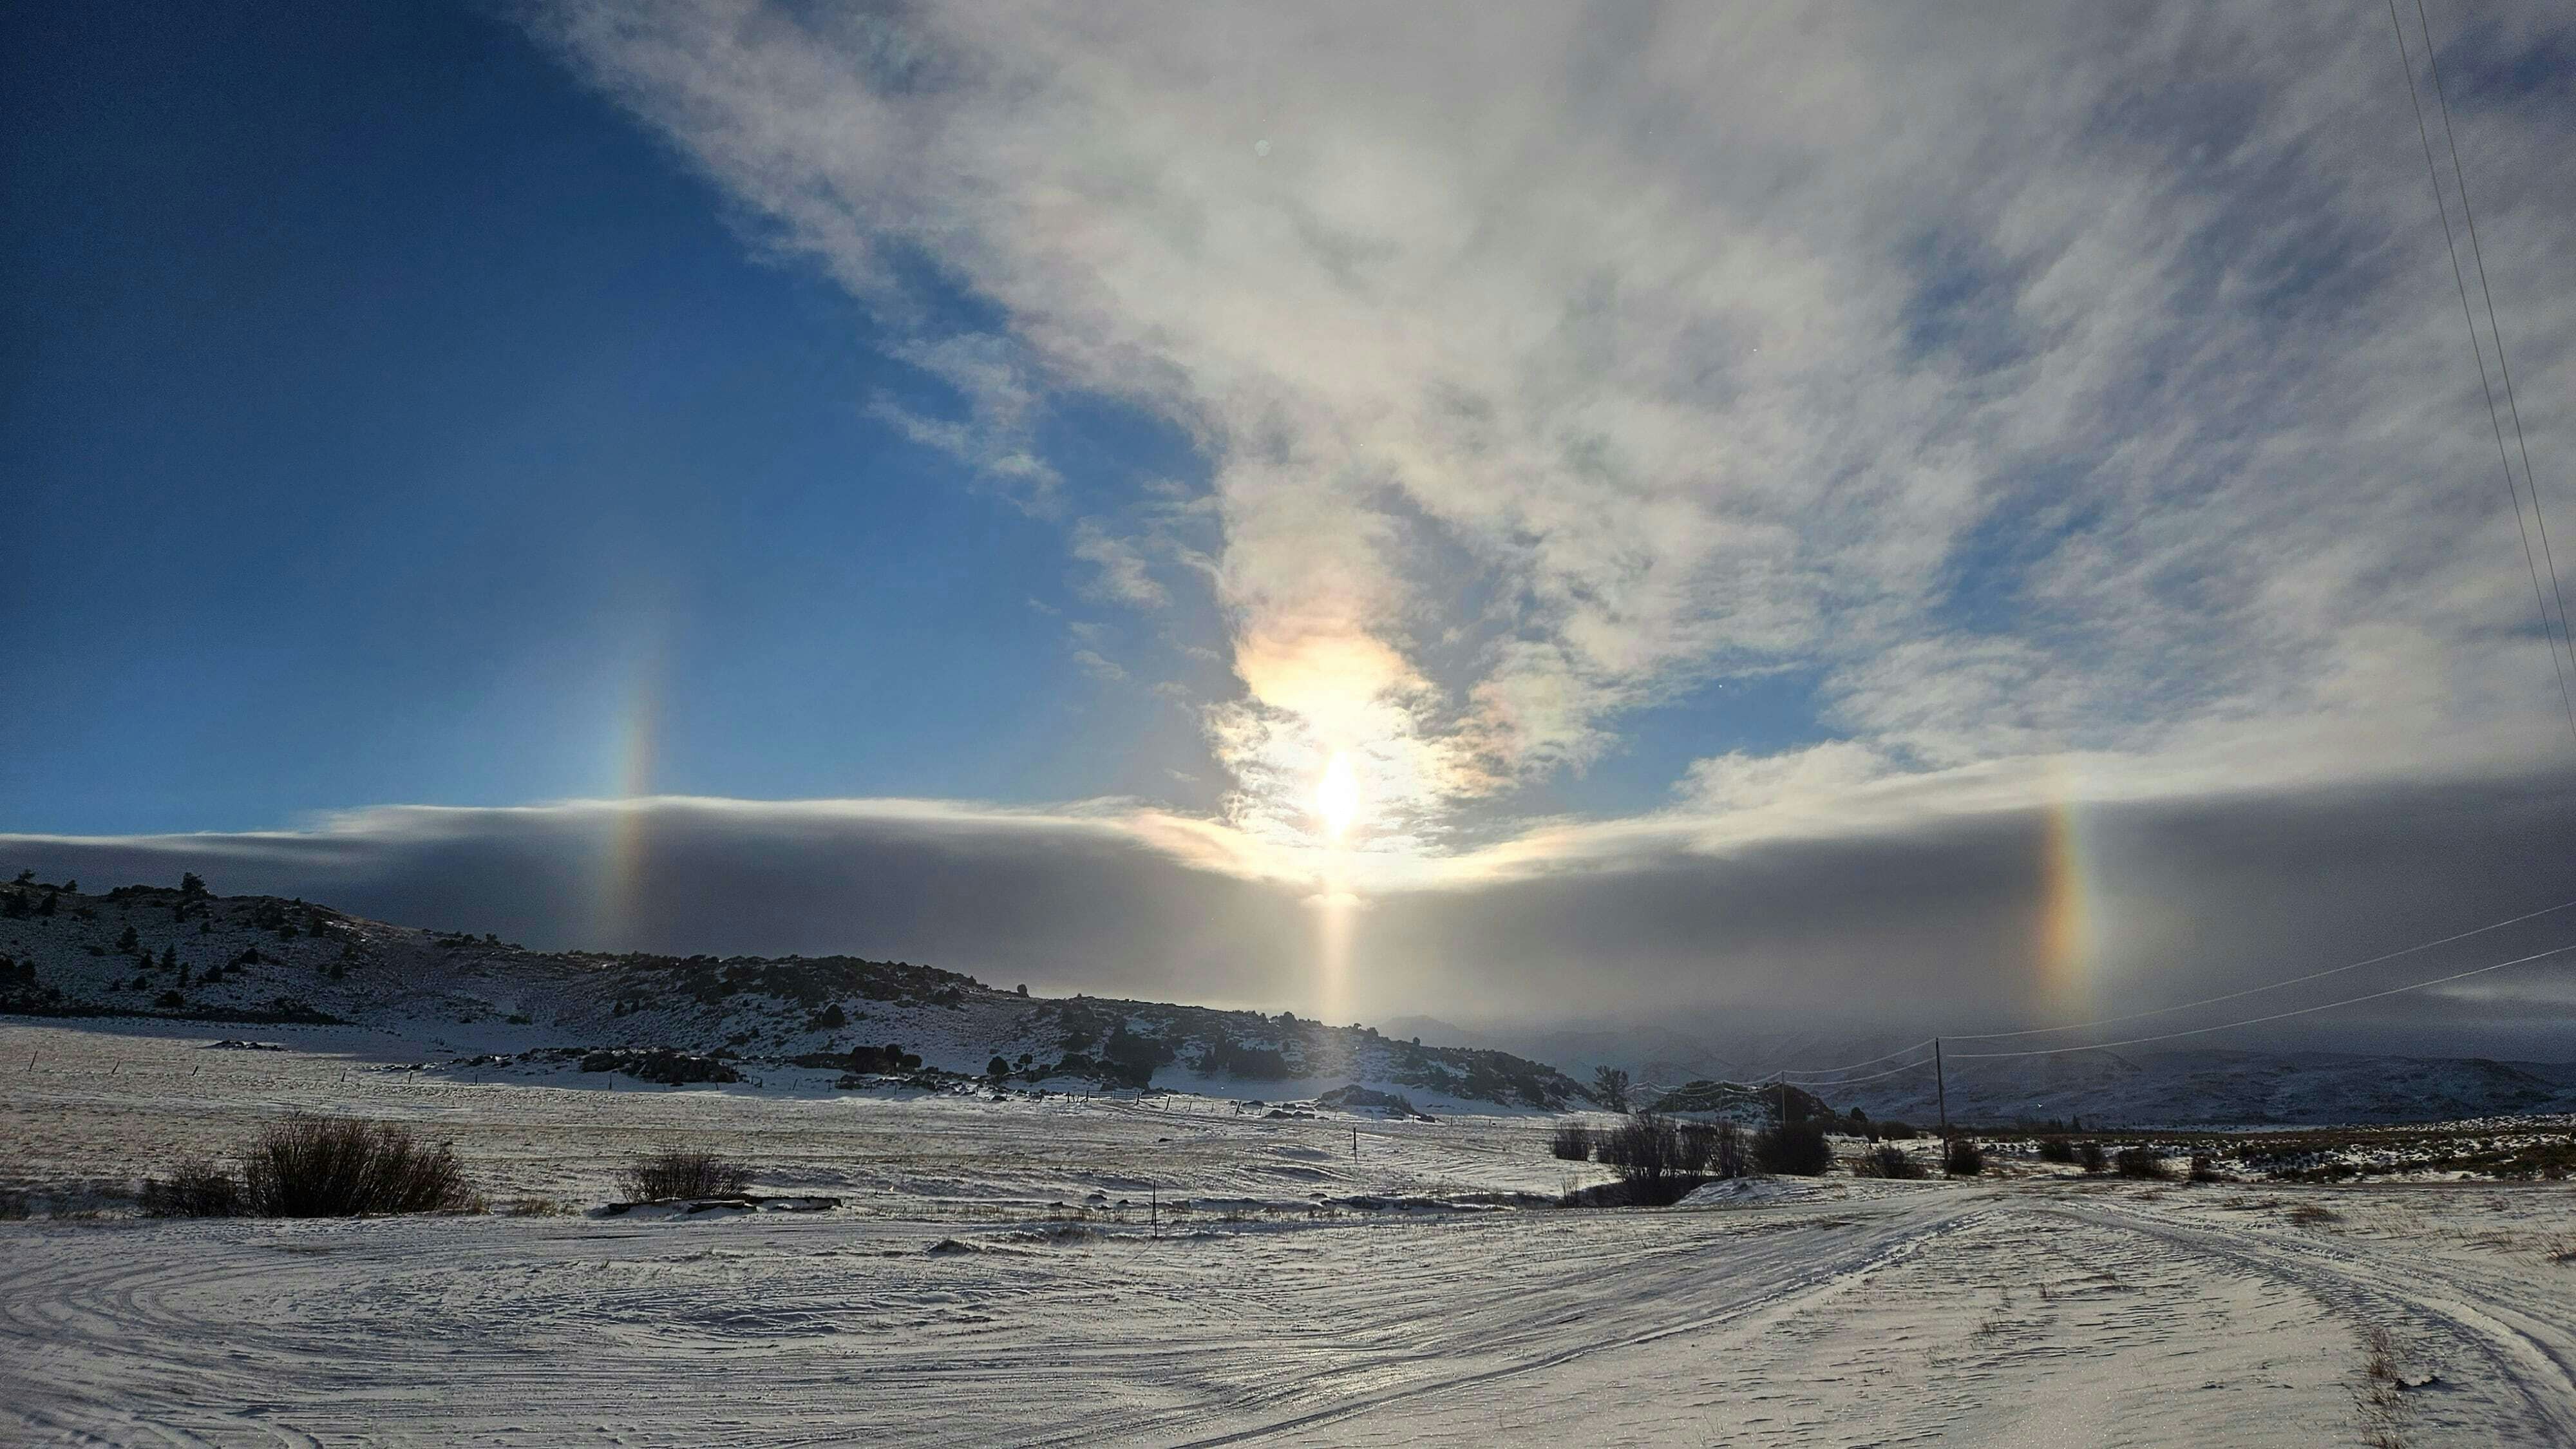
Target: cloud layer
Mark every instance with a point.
(1931, 926)
(2045, 380)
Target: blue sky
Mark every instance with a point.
(1634, 452)
(390, 413)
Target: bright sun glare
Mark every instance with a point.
(1337, 799)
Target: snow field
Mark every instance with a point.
(954, 1302)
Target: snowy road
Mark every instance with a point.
(2019, 1315)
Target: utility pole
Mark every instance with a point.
(1355, 1147)
(1941, 1086)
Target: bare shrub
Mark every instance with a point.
(2142, 1163)
(1962, 1157)
(1645, 1149)
(1888, 1162)
(680, 1172)
(2090, 1154)
(1571, 1141)
(326, 1167)
(1715, 1148)
(197, 1189)
(1794, 1149)
(2056, 1149)
(2204, 1168)
(2309, 1215)
(1898, 1131)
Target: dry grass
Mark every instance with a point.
(2380, 1398)
(2309, 1215)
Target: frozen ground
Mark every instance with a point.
(954, 1302)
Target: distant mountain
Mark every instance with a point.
(161, 952)
(2112, 1088)
(2248, 1088)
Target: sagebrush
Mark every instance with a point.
(1893, 1162)
(1963, 1157)
(195, 1189)
(328, 1167)
(1794, 1149)
(676, 1172)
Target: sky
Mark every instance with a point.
(1986, 512)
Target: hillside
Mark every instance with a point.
(2284, 1086)
(2232, 1087)
(181, 953)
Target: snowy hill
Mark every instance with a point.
(2108, 1088)
(182, 953)
(2111, 1088)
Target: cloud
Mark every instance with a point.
(1935, 922)
(2044, 379)
(1003, 402)
(1123, 573)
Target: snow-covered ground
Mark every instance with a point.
(996, 1276)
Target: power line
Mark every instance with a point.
(1779, 1080)
(2275, 1016)
(2258, 990)
(1848, 1066)
(2513, 491)
(2478, 256)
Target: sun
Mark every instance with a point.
(1337, 799)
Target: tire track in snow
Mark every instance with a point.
(1765, 1303)
(2520, 1349)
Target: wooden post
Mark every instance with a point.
(1941, 1086)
